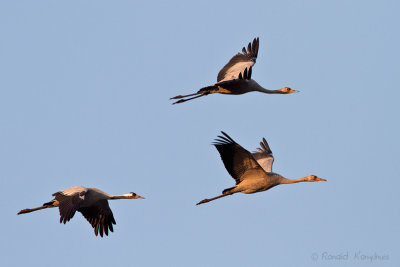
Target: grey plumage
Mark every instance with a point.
(235, 77)
(251, 175)
(91, 202)
(264, 156)
(240, 62)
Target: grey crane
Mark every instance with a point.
(91, 202)
(235, 77)
(252, 172)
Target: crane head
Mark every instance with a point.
(314, 178)
(135, 196)
(287, 90)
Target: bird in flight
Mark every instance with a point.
(251, 171)
(235, 77)
(91, 202)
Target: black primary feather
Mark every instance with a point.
(236, 159)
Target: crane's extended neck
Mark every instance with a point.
(285, 90)
(124, 196)
(127, 196)
(267, 91)
(293, 181)
(310, 178)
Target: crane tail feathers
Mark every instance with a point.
(49, 203)
(208, 89)
(228, 191)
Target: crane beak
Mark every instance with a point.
(320, 179)
(295, 91)
(137, 196)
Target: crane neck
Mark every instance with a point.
(293, 181)
(263, 90)
(124, 196)
(259, 88)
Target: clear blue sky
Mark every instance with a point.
(84, 101)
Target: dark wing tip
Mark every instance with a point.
(227, 136)
(252, 49)
(264, 147)
(223, 140)
(267, 148)
(256, 43)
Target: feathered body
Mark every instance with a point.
(235, 77)
(91, 202)
(251, 171)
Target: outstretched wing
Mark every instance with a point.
(100, 216)
(69, 201)
(240, 62)
(236, 159)
(264, 156)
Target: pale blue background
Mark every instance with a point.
(84, 101)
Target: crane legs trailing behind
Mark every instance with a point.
(197, 95)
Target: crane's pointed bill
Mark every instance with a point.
(320, 179)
